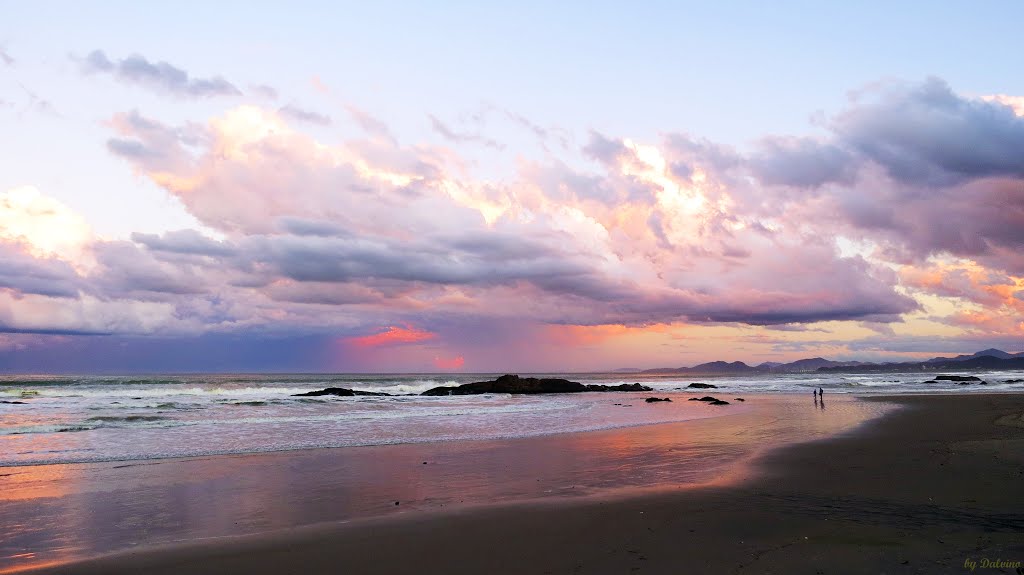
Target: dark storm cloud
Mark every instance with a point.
(124, 270)
(203, 353)
(158, 76)
(917, 168)
(802, 163)
(307, 227)
(467, 260)
(922, 135)
(188, 242)
(928, 135)
(25, 274)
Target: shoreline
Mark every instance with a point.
(588, 527)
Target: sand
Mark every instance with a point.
(935, 487)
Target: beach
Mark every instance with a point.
(915, 483)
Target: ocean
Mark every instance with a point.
(84, 419)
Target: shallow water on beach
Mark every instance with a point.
(69, 419)
(68, 511)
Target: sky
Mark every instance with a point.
(473, 187)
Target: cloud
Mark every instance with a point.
(43, 225)
(392, 336)
(335, 239)
(263, 91)
(449, 363)
(917, 169)
(38, 104)
(188, 242)
(1015, 103)
(418, 237)
(307, 116)
(23, 274)
(368, 123)
(462, 137)
(928, 135)
(158, 76)
(801, 163)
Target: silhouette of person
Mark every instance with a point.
(821, 392)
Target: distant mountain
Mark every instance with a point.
(992, 359)
(988, 362)
(710, 368)
(722, 367)
(991, 352)
(813, 364)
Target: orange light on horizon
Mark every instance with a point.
(449, 363)
(392, 336)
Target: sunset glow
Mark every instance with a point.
(221, 201)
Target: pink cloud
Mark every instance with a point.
(392, 336)
(449, 363)
(345, 236)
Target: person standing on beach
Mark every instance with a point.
(821, 393)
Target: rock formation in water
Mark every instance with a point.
(529, 385)
(338, 391)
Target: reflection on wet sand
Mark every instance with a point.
(59, 512)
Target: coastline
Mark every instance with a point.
(893, 491)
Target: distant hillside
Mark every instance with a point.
(814, 364)
(991, 359)
(991, 352)
(987, 362)
(710, 368)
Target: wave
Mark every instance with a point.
(365, 410)
(126, 418)
(46, 428)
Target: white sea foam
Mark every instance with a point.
(111, 418)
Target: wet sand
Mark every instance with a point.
(929, 488)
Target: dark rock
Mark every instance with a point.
(14, 402)
(702, 386)
(956, 378)
(739, 399)
(528, 385)
(718, 402)
(1014, 381)
(338, 391)
(656, 399)
(705, 398)
(620, 387)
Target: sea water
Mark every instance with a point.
(81, 419)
